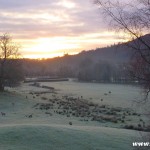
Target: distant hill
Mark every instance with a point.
(116, 53)
(109, 63)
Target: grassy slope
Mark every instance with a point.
(33, 137)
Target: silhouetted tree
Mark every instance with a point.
(133, 19)
(9, 66)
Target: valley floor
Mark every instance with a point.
(36, 118)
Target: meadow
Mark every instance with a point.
(71, 115)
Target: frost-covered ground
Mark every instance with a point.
(48, 137)
(26, 127)
(121, 95)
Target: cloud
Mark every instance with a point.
(30, 20)
(47, 15)
(67, 4)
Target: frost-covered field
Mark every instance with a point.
(31, 122)
(121, 95)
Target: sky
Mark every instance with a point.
(50, 28)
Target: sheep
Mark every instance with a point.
(3, 114)
(70, 123)
(30, 116)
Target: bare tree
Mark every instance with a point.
(8, 52)
(132, 19)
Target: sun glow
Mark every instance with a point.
(58, 46)
(50, 47)
(54, 46)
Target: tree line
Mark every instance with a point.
(86, 66)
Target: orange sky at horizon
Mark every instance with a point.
(58, 46)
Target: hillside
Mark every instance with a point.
(115, 53)
(110, 62)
